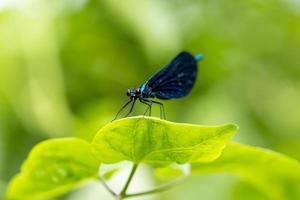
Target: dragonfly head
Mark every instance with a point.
(134, 93)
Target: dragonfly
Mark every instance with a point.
(174, 81)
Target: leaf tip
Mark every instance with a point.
(231, 128)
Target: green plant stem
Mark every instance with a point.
(124, 190)
(123, 194)
(161, 188)
(107, 187)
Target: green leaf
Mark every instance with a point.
(54, 167)
(274, 174)
(108, 171)
(109, 174)
(160, 142)
(172, 171)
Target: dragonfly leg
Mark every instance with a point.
(162, 110)
(149, 104)
(131, 108)
(123, 107)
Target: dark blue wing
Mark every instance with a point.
(175, 80)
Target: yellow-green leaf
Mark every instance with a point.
(274, 174)
(172, 171)
(109, 174)
(160, 142)
(54, 167)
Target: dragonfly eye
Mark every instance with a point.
(128, 93)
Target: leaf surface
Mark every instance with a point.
(274, 174)
(160, 142)
(54, 167)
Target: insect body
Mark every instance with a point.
(174, 81)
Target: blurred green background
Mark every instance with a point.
(65, 66)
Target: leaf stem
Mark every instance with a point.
(124, 190)
(161, 188)
(107, 187)
(123, 194)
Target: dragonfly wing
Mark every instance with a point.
(175, 80)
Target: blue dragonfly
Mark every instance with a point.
(174, 81)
